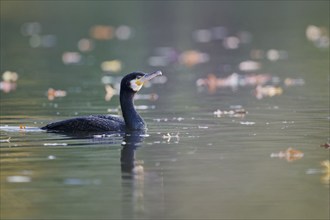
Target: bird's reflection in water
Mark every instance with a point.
(142, 192)
(132, 174)
(136, 201)
(130, 167)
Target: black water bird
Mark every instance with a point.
(131, 121)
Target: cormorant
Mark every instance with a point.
(130, 84)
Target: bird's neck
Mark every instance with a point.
(132, 119)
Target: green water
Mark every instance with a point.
(190, 164)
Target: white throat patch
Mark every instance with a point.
(136, 85)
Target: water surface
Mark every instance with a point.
(191, 163)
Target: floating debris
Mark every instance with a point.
(102, 32)
(249, 65)
(325, 179)
(22, 127)
(51, 157)
(275, 55)
(10, 76)
(237, 113)
(144, 135)
(326, 165)
(103, 136)
(211, 82)
(18, 179)
(177, 119)
(231, 43)
(168, 55)
(160, 119)
(110, 92)
(202, 127)
(138, 170)
(290, 154)
(85, 45)
(52, 93)
(113, 110)
(144, 107)
(319, 36)
(313, 32)
(71, 58)
(9, 81)
(5, 140)
(294, 82)
(247, 122)
(19, 128)
(191, 58)
(326, 145)
(111, 66)
(168, 136)
(233, 81)
(267, 91)
(99, 136)
(326, 170)
(123, 32)
(55, 144)
(7, 86)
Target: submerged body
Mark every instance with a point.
(131, 120)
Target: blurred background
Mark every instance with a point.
(238, 123)
(77, 43)
(83, 40)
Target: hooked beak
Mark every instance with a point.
(149, 76)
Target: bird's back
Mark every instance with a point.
(88, 123)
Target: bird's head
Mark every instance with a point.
(134, 81)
